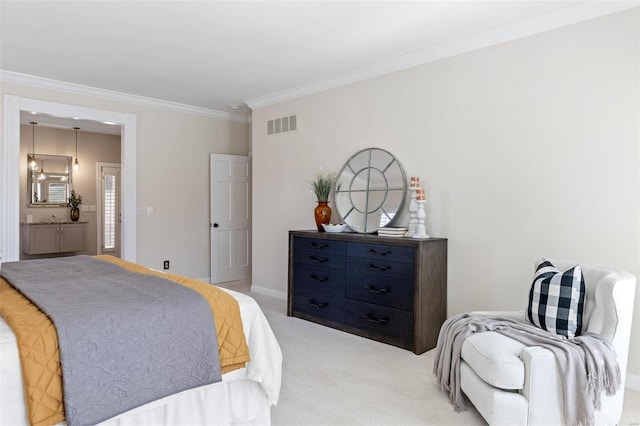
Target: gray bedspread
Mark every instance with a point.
(125, 339)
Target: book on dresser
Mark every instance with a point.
(392, 232)
(393, 290)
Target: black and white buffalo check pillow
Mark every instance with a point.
(556, 299)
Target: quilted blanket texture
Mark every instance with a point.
(37, 341)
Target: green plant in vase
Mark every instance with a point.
(321, 186)
(74, 202)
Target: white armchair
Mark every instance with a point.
(512, 384)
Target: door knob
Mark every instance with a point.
(215, 225)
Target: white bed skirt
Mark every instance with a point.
(240, 402)
(244, 396)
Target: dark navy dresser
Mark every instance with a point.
(393, 290)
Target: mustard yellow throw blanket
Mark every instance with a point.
(38, 341)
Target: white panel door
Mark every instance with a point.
(229, 218)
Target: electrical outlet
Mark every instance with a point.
(166, 264)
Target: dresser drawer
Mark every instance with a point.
(326, 305)
(379, 252)
(319, 278)
(319, 246)
(380, 267)
(326, 259)
(380, 322)
(381, 290)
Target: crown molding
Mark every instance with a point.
(567, 15)
(78, 89)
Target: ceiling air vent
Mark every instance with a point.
(282, 125)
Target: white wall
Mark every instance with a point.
(172, 175)
(525, 149)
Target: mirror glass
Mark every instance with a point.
(370, 190)
(50, 184)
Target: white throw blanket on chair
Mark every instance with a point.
(587, 363)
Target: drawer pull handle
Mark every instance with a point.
(317, 305)
(320, 246)
(317, 278)
(374, 319)
(318, 259)
(379, 253)
(378, 268)
(377, 290)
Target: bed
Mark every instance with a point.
(243, 396)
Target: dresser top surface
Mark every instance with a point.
(364, 238)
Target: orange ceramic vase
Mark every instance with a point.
(323, 214)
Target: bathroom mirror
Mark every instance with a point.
(370, 190)
(50, 184)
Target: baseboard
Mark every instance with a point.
(633, 382)
(269, 292)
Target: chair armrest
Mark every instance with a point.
(542, 386)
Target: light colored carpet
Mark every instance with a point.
(335, 378)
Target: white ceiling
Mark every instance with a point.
(212, 54)
(47, 120)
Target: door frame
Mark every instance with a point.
(10, 178)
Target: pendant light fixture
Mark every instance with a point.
(31, 159)
(42, 176)
(76, 164)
